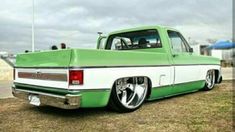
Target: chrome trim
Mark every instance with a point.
(67, 101)
(40, 93)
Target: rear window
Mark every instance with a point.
(134, 40)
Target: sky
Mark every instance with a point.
(76, 22)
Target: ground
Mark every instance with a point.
(199, 111)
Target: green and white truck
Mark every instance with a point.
(128, 67)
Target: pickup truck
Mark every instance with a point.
(128, 67)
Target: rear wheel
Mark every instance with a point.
(210, 80)
(128, 94)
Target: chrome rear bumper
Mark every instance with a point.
(67, 101)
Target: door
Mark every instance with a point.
(186, 72)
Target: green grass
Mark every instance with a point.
(199, 111)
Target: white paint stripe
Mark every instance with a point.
(99, 78)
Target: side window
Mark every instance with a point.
(134, 40)
(178, 44)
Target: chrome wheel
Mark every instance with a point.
(131, 92)
(210, 79)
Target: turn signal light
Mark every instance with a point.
(76, 77)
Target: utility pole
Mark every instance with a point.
(32, 25)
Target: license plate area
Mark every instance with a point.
(34, 99)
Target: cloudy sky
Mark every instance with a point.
(76, 22)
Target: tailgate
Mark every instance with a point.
(56, 58)
(47, 69)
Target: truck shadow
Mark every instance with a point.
(173, 97)
(81, 112)
(182, 95)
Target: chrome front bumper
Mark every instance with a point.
(67, 101)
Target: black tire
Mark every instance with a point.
(117, 105)
(210, 80)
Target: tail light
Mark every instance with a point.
(76, 77)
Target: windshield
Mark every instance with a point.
(134, 40)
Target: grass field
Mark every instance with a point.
(199, 111)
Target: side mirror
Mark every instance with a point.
(191, 50)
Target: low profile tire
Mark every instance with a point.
(210, 80)
(128, 94)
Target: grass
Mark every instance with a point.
(199, 111)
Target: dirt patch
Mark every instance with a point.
(199, 111)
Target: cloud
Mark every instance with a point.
(77, 22)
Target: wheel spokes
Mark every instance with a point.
(209, 84)
(132, 98)
(124, 97)
(139, 90)
(130, 93)
(210, 79)
(130, 86)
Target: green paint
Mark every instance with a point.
(53, 58)
(189, 58)
(171, 90)
(88, 57)
(97, 57)
(188, 87)
(97, 98)
(160, 92)
(89, 98)
(116, 58)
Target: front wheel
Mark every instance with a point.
(210, 80)
(128, 94)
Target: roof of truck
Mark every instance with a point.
(142, 28)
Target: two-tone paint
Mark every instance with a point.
(169, 73)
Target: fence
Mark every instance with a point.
(6, 69)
